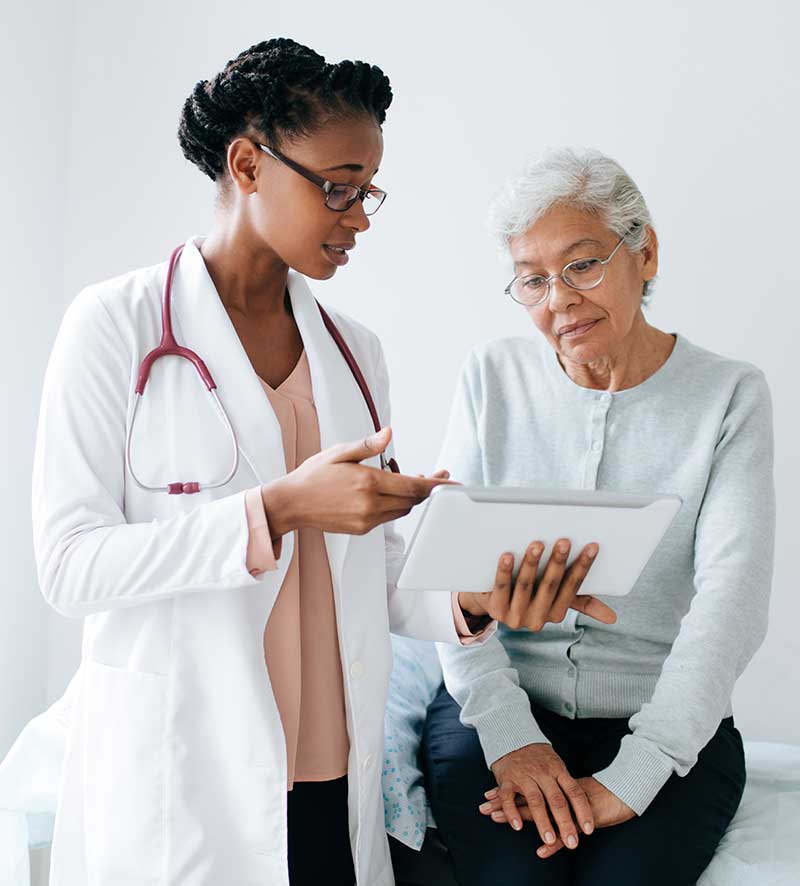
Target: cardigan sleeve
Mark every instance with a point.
(727, 619)
(481, 678)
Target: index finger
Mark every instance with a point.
(507, 796)
(404, 486)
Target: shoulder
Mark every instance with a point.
(498, 360)
(119, 303)
(714, 374)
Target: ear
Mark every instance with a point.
(243, 156)
(650, 255)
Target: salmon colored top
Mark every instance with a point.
(301, 645)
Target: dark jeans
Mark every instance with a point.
(671, 844)
(319, 835)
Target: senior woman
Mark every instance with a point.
(634, 717)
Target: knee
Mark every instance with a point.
(452, 754)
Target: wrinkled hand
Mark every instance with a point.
(607, 810)
(528, 603)
(535, 785)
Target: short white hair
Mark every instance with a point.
(583, 179)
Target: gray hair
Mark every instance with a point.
(586, 180)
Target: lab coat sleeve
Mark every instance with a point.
(417, 614)
(88, 558)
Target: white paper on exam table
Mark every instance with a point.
(464, 530)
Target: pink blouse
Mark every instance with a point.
(306, 676)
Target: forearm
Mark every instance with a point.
(486, 686)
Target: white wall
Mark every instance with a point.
(34, 53)
(697, 100)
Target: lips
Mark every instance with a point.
(337, 253)
(573, 330)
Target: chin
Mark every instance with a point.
(316, 270)
(583, 352)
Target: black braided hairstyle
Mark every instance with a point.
(279, 88)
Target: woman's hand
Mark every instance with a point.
(524, 604)
(333, 492)
(548, 795)
(607, 809)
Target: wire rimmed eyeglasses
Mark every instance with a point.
(580, 273)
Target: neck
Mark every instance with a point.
(249, 277)
(638, 356)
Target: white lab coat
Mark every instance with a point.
(175, 766)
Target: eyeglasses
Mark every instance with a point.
(338, 197)
(582, 273)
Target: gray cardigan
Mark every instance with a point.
(700, 427)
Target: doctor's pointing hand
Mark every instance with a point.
(332, 491)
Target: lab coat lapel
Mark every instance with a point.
(202, 324)
(341, 409)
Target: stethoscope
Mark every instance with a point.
(168, 346)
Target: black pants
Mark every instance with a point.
(671, 844)
(319, 835)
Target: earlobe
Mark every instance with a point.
(650, 253)
(241, 165)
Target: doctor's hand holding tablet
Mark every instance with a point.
(334, 492)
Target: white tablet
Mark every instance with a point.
(464, 530)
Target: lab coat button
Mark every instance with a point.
(356, 669)
(597, 446)
(568, 707)
(367, 762)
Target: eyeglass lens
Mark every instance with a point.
(342, 197)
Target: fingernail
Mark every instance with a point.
(587, 827)
(491, 794)
(485, 807)
(572, 842)
(507, 560)
(497, 815)
(562, 548)
(541, 851)
(516, 824)
(549, 837)
(591, 551)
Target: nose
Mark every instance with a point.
(356, 219)
(562, 296)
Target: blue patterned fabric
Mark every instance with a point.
(416, 676)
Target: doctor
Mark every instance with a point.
(233, 559)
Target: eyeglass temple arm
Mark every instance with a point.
(315, 179)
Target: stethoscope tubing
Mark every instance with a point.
(168, 346)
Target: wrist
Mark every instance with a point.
(277, 505)
(470, 605)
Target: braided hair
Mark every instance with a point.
(283, 90)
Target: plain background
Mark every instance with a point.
(699, 101)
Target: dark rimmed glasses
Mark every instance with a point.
(582, 273)
(338, 197)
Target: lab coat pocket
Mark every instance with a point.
(125, 774)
